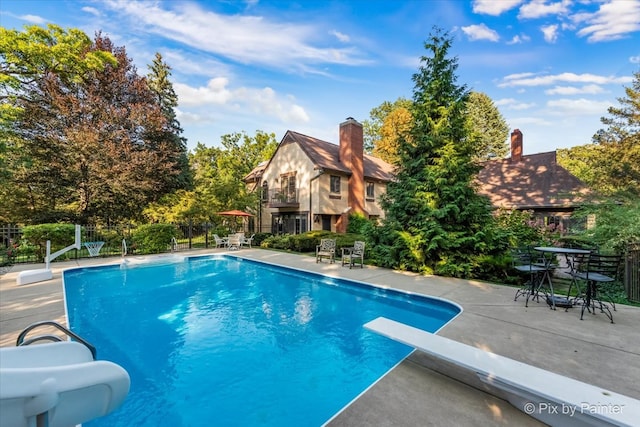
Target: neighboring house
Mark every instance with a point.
(310, 184)
(534, 182)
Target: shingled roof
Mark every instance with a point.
(325, 155)
(533, 182)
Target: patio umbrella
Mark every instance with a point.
(235, 214)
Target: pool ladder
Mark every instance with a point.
(21, 338)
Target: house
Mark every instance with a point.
(533, 182)
(310, 184)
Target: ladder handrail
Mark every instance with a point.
(21, 338)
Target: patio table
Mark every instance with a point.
(547, 275)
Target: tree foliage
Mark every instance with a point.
(372, 129)
(611, 165)
(392, 121)
(160, 84)
(218, 174)
(87, 143)
(435, 220)
(488, 128)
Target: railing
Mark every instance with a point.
(22, 341)
(279, 198)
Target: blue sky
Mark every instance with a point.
(552, 67)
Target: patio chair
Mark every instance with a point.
(220, 242)
(233, 241)
(577, 264)
(326, 249)
(526, 262)
(353, 254)
(246, 241)
(599, 269)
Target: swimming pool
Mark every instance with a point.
(219, 340)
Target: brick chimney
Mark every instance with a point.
(351, 155)
(516, 146)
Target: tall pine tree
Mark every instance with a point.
(435, 220)
(160, 84)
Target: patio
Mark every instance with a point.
(593, 350)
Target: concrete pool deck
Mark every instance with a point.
(593, 350)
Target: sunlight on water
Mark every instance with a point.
(217, 340)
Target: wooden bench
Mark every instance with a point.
(551, 398)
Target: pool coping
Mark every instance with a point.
(554, 340)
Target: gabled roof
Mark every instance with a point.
(536, 181)
(325, 155)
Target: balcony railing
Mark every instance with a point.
(283, 199)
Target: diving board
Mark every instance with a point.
(551, 398)
(57, 385)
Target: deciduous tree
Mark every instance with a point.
(90, 147)
(611, 165)
(487, 127)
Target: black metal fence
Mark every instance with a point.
(14, 249)
(632, 273)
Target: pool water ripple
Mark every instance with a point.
(223, 341)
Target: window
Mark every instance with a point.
(288, 187)
(370, 192)
(335, 184)
(265, 191)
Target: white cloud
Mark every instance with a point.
(34, 19)
(529, 79)
(493, 7)
(634, 59)
(577, 107)
(540, 8)
(91, 10)
(262, 101)
(572, 90)
(517, 39)
(242, 38)
(340, 36)
(480, 32)
(550, 32)
(215, 92)
(513, 104)
(612, 21)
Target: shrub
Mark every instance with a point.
(357, 222)
(60, 235)
(259, 238)
(153, 238)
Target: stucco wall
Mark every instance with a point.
(288, 158)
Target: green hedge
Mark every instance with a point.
(153, 238)
(307, 242)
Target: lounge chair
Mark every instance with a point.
(353, 254)
(326, 249)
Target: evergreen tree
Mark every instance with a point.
(160, 84)
(435, 220)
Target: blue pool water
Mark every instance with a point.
(223, 341)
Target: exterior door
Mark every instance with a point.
(326, 222)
